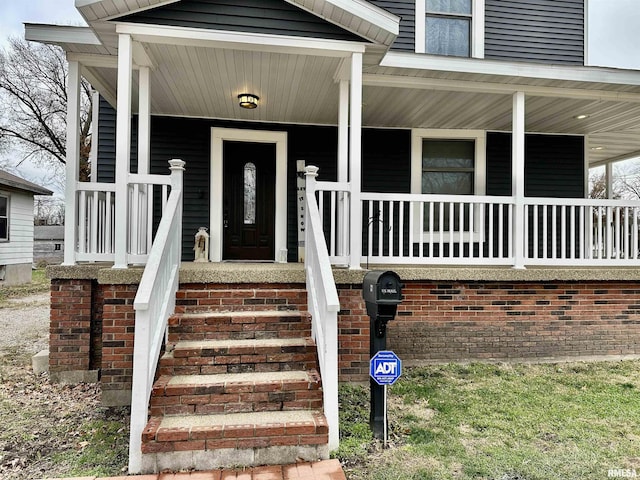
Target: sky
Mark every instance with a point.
(606, 47)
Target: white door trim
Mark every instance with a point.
(218, 136)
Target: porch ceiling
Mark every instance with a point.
(294, 88)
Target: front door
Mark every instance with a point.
(249, 199)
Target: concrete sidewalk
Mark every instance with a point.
(325, 470)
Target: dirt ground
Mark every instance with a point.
(45, 429)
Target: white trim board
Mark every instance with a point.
(218, 136)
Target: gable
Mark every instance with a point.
(275, 17)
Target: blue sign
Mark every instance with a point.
(385, 367)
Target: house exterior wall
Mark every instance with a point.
(16, 254)
(539, 31)
(498, 321)
(253, 16)
(48, 251)
(554, 163)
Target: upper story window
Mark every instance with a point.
(450, 27)
(4, 218)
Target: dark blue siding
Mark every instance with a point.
(254, 16)
(541, 31)
(554, 165)
(406, 10)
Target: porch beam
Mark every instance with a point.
(72, 162)
(355, 162)
(619, 158)
(418, 83)
(195, 37)
(123, 142)
(517, 177)
(94, 60)
(396, 59)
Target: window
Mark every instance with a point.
(448, 162)
(450, 27)
(249, 194)
(4, 218)
(448, 168)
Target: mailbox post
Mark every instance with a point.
(382, 292)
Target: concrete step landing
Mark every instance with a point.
(204, 442)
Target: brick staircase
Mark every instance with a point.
(238, 384)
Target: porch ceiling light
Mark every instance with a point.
(582, 116)
(248, 100)
(599, 147)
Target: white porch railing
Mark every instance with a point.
(95, 222)
(154, 304)
(479, 230)
(582, 232)
(323, 306)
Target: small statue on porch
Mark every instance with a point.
(201, 245)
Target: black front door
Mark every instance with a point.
(249, 200)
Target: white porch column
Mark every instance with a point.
(608, 175)
(72, 163)
(355, 162)
(144, 120)
(123, 145)
(141, 229)
(517, 177)
(343, 164)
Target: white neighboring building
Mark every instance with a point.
(16, 228)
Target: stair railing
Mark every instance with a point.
(323, 305)
(154, 304)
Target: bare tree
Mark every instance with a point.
(598, 185)
(48, 210)
(33, 104)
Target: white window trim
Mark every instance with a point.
(218, 136)
(477, 27)
(8, 197)
(480, 170)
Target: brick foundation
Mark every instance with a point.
(92, 324)
(118, 322)
(439, 322)
(70, 328)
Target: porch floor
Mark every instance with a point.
(325, 470)
(293, 273)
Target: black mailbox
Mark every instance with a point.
(382, 292)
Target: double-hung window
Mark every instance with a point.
(445, 163)
(4, 218)
(450, 27)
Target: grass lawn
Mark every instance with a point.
(499, 422)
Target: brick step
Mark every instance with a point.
(224, 298)
(239, 325)
(233, 393)
(255, 430)
(239, 356)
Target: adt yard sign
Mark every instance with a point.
(385, 367)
